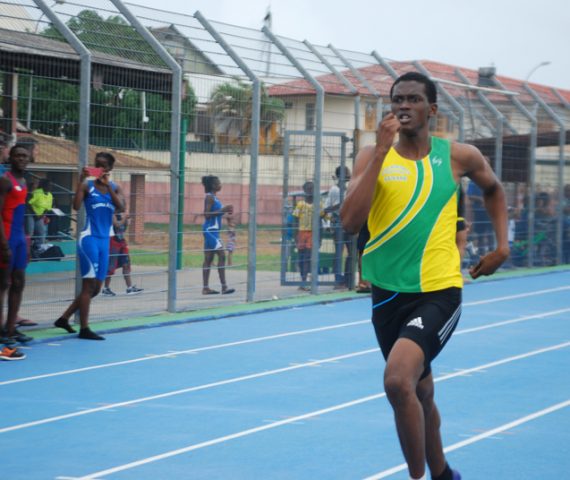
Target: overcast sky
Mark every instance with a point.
(512, 35)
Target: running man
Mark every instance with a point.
(101, 198)
(408, 192)
(14, 252)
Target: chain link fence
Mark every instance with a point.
(178, 97)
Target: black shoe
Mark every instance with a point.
(21, 337)
(88, 334)
(64, 323)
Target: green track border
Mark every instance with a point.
(42, 335)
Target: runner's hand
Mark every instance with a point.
(386, 132)
(488, 264)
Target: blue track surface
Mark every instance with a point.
(293, 394)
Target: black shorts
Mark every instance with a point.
(427, 319)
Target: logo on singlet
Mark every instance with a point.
(436, 161)
(416, 322)
(395, 173)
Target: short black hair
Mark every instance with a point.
(308, 184)
(107, 156)
(208, 182)
(431, 89)
(338, 171)
(18, 146)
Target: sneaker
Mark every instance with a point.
(133, 290)
(455, 475)
(107, 292)
(10, 354)
(21, 337)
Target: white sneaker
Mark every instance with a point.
(133, 290)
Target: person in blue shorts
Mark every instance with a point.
(101, 198)
(13, 249)
(214, 212)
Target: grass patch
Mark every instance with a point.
(148, 258)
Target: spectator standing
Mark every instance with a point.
(303, 214)
(4, 167)
(13, 249)
(101, 198)
(41, 203)
(340, 237)
(119, 257)
(213, 245)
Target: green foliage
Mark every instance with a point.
(231, 107)
(116, 113)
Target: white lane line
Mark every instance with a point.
(518, 295)
(265, 338)
(110, 406)
(316, 413)
(481, 436)
(185, 352)
(463, 331)
(293, 366)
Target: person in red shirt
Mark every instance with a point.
(13, 247)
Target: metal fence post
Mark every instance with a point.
(499, 128)
(561, 143)
(319, 111)
(84, 110)
(361, 79)
(532, 164)
(355, 142)
(379, 108)
(450, 99)
(174, 144)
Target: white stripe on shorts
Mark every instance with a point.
(449, 325)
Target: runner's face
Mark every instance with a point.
(411, 106)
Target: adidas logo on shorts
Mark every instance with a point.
(416, 322)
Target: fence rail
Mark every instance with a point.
(176, 97)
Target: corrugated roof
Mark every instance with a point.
(24, 43)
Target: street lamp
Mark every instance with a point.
(535, 68)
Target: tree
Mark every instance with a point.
(111, 35)
(116, 113)
(231, 108)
